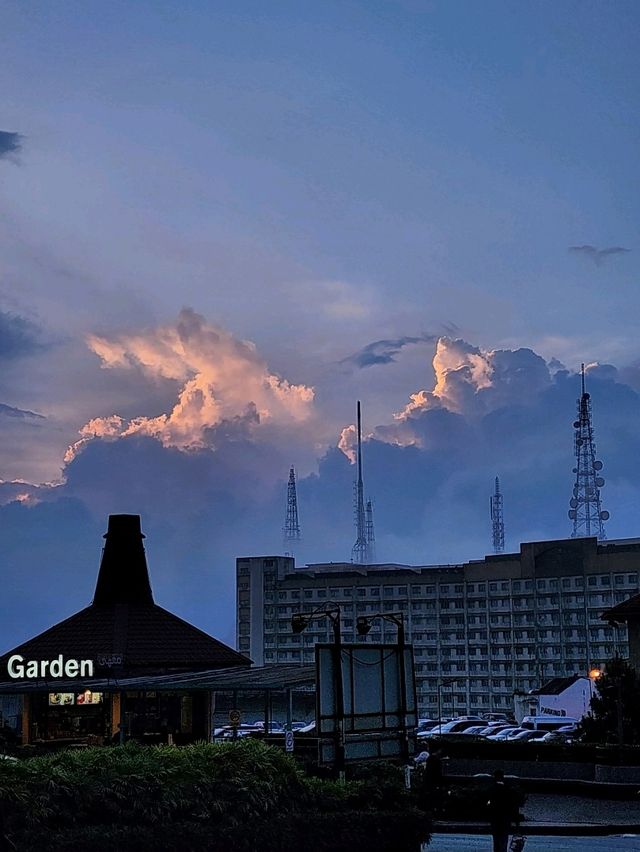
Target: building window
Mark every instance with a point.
(592, 581)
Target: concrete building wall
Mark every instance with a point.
(481, 631)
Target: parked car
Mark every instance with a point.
(503, 734)
(228, 732)
(493, 729)
(524, 736)
(474, 731)
(547, 723)
(455, 726)
(558, 738)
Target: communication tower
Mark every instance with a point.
(370, 532)
(361, 550)
(497, 519)
(291, 529)
(585, 510)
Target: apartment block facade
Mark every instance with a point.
(482, 631)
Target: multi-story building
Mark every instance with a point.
(481, 631)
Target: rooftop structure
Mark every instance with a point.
(361, 552)
(497, 519)
(585, 510)
(123, 630)
(291, 529)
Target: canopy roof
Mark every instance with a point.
(628, 610)
(124, 631)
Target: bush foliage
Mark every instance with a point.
(243, 796)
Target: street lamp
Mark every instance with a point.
(594, 674)
(363, 626)
(299, 622)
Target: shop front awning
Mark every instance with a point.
(258, 679)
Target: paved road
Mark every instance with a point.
(553, 807)
(471, 843)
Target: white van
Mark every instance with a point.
(547, 723)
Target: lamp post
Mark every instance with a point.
(594, 674)
(299, 622)
(363, 626)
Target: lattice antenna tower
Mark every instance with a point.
(586, 511)
(497, 519)
(360, 552)
(291, 529)
(370, 532)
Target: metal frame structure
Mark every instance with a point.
(361, 550)
(363, 626)
(291, 529)
(586, 510)
(497, 519)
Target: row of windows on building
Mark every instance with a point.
(440, 589)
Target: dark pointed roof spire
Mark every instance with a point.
(123, 576)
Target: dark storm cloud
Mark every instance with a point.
(383, 351)
(10, 143)
(18, 336)
(598, 255)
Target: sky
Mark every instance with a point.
(225, 222)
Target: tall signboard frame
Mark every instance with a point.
(367, 704)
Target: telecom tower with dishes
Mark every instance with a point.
(586, 510)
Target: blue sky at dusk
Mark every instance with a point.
(224, 222)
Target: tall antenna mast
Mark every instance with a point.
(291, 529)
(370, 532)
(360, 552)
(586, 511)
(497, 520)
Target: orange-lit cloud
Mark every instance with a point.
(222, 379)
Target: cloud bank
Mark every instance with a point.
(208, 474)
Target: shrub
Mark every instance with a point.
(203, 797)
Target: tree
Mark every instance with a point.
(615, 706)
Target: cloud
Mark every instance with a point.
(598, 256)
(18, 336)
(10, 143)
(473, 382)
(212, 487)
(383, 351)
(18, 413)
(223, 382)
